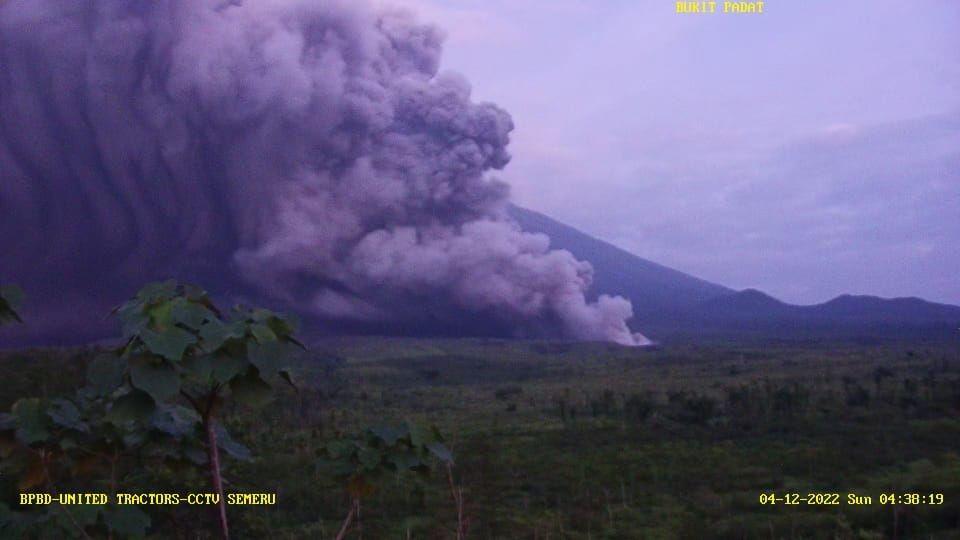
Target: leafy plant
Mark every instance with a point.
(153, 408)
(361, 462)
(92, 435)
(156, 400)
(180, 346)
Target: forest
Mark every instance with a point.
(367, 437)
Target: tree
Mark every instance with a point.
(179, 346)
(178, 350)
(361, 462)
(154, 404)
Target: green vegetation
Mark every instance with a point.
(150, 412)
(179, 347)
(552, 440)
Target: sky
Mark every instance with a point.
(809, 151)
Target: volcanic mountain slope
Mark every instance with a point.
(655, 290)
(669, 303)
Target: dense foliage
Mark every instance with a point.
(150, 413)
(552, 440)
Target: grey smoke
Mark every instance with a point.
(311, 148)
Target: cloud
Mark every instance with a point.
(872, 210)
(769, 151)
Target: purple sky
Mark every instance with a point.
(810, 151)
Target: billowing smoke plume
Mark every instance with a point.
(308, 150)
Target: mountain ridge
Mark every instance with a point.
(669, 306)
(663, 287)
(668, 302)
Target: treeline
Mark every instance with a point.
(152, 417)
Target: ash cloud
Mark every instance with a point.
(306, 152)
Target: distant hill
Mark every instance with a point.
(846, 309)
(669, 303)
(747, 305)
(881, 310)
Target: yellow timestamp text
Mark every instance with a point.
(121, 499)
(852, 499)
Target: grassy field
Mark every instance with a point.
(556, 440)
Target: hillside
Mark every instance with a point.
(670, 303)
(654, 289)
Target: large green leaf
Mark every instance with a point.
(132, 318)
(175, 420)
(190, 314)
(260, 315)
(133, 406)
(441, 451)
(105, 373)
(160, 314)
(127, 520)
(269, 357)
(388, 434)
(65, 414)
(195, 293)
(233, 448)
(195, 453)
(226, 367)
(289, 377)
(284, 325)
(250, 389)
(262, 333)
(154, 376)
(134, 438)
(405, 460)
(215, 333)
(420, 435)
(199, 367)
(32, 421)
(154, 292)
(170, 343)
